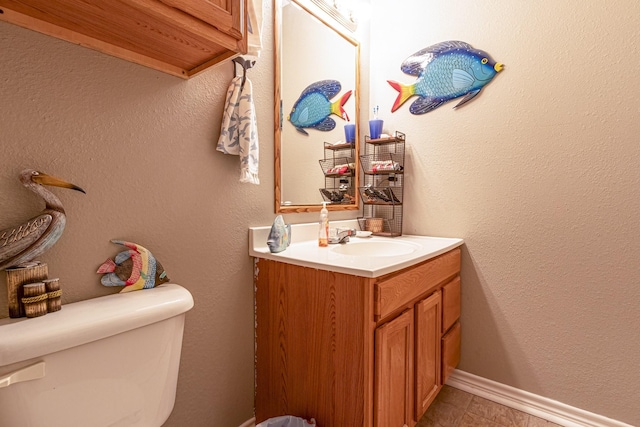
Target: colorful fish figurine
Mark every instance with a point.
(134, 269)
(445, 71)
(314, 106)
(279, 236)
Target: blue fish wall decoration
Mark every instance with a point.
(314, 106)
(445, 71)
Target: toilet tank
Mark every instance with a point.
(106, 362)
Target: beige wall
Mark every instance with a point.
(540, 175)
(142, 144)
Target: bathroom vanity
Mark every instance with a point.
(356, 346)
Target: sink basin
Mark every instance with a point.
(375, 248)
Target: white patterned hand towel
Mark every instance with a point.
(239, 130)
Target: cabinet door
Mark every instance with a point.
(450, 351)
(450, 304)
(428, 315)
(394, 372)
(226, 15)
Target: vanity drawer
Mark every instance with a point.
(450, 351)
(400, 290)
(450, 303)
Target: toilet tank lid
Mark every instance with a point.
(90, 320)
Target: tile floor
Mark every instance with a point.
(457, 408)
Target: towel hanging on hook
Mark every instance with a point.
(239, 129)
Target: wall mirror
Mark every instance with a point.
(313, 51)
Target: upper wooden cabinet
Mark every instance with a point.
(179, 37)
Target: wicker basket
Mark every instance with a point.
(375, 225)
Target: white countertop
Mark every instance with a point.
(304, 250)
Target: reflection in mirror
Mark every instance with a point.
(316, 71)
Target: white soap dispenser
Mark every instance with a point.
(323, 231)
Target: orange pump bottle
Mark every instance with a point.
(323, 230)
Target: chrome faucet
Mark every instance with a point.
(341, 235)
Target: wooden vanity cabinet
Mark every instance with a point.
(352, 351)
(179, 37)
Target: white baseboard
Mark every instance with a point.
(529, 403)
(249, 423)
(523, 401)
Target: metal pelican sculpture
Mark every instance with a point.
(32, 238)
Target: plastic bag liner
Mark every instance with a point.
(287, 421)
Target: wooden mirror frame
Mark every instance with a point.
(278, 113)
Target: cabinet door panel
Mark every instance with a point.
(450, 303)
(450, 351)
(427, 352)
(225, 15)
(394, 372)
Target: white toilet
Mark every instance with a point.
(106, 362)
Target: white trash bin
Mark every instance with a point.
(287, 421)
